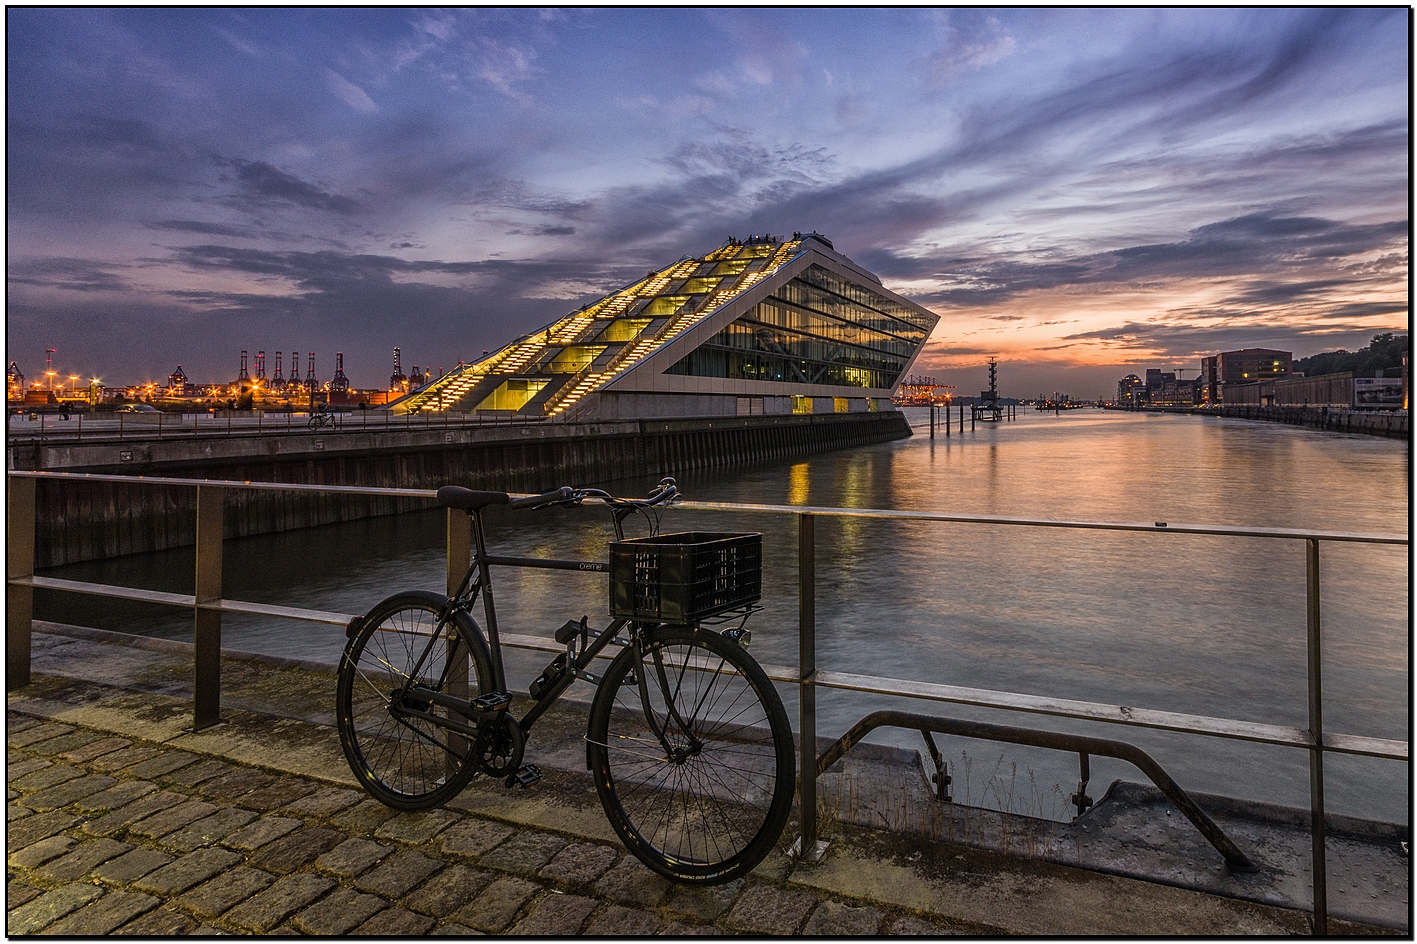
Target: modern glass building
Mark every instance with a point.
(759, 326)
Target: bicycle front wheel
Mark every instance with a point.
(407, 761)
(692, 755)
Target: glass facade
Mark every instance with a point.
(817, 329)
(829, 326)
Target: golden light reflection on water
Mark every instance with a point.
(799, 487)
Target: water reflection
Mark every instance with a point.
(1206, 625)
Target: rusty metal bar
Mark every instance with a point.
(1317, 839)
(206, 629)
(1050, 739)
(19, 600)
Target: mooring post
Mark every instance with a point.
(932, 421)
(206, 628)
(19, 600)
(1316, 753)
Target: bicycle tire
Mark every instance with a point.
(715, 808)
(406, 763)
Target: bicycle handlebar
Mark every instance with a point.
(560, 495)
(663, 493)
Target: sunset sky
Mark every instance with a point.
(1082, 193)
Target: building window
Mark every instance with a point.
(841, 405)
(623, 329)
(801, 404)
(817, 329)
(512, 395)
(665, 305)
(573, 358)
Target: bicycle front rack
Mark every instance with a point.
(1081, 744)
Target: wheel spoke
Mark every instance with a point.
(714, 806)
(408, 762)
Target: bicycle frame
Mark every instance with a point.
(478, 582)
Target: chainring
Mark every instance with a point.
(499, 746)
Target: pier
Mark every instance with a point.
(96, 520)
(123, 820)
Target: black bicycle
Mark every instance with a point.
(688, 742)
(320, 419)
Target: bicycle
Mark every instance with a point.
(687, 740)
(320, 419)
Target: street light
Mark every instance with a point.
(73, 385)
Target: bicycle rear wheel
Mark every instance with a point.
(408, 762)
(706, 804)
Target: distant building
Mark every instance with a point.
(760, 326)
(1246, 366)
(1131, 391)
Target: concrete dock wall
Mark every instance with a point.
(1395, 425)
(78, 521)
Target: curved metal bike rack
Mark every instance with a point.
(1081, 744)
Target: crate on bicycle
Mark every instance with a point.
(684, 577)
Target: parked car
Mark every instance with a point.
(135, 408)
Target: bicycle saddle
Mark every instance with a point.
(455, 496)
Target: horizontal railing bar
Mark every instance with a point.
(284, 612)
(1376, 537)
(227, 483)
(1279, 735)
(1361, 537)
(1368, 746)
(931, 691)
(106, 590)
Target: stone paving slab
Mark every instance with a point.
(289, 853)
(85, 857)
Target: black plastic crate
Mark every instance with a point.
(684, 577)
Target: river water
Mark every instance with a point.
(1204, 625)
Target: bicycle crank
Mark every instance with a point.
(499, 745)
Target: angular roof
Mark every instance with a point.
(638, 338)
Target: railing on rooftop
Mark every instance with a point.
(208, 605)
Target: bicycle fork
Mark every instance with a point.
(673, 754)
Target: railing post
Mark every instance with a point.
(808, 848)
(19, 601)
(206, 630)
(459, 557)
(1316, 753)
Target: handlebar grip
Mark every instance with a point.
(564, 493)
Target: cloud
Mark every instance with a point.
(263, 182)
(75, 275)
(349, 93)
(204, 229)
(966, 42)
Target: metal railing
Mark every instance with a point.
(208, 605)
(95, 427)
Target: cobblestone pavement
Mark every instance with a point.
(111, 835)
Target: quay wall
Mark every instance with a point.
(1395, 425)
(79, 521)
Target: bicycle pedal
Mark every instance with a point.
(525, 776)
(492, 701)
